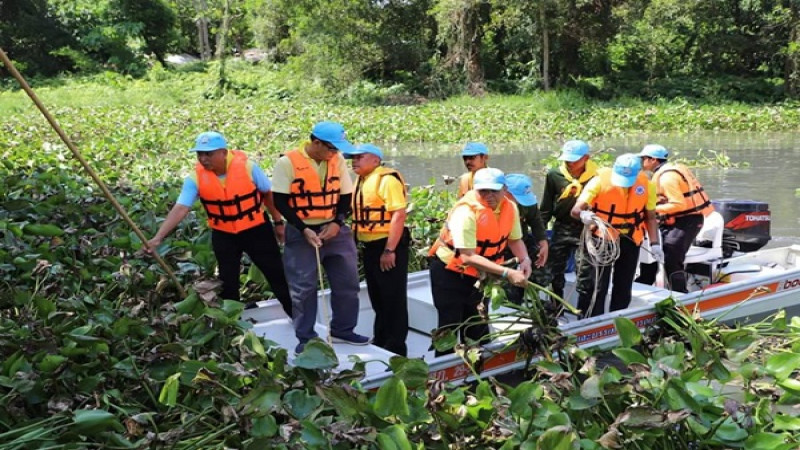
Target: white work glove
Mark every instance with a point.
(657, 252)
(587, 216)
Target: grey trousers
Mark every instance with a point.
(339, 259)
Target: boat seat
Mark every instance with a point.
(709, 250)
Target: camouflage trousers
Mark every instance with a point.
(539, 275)
(563, 245)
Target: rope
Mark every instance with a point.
(600, 251)
(108, 195)
(325, 312)
(603, 250)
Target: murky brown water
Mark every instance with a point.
(771, 177)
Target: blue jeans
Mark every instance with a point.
(339, 259)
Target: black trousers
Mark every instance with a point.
(388, 293)
(676, 241)
(456, 300)
(589, 281)
(261, 246)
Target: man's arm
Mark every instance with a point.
(281, 202)
(175, 216)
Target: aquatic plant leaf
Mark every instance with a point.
(393, 438)
(300, 403)
(523, 396)
(264, 426)
(629, 356)
(413, 372)
(391, 399)
(558, 438)
(629, 334)
(92, 421)
(317, 355)
(781, 365)
(169, 392)
(730, 431)
(591, 387)
(790, 385)
(784, 422)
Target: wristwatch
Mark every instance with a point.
(278, 223)
(388, 251)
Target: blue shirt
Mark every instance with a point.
(190, 192)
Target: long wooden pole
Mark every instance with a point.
(77, 154)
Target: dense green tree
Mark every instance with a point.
(156, 24)
(30, 34)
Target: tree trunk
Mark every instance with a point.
(476, 84)
(203, 46)
(791, 77)
(545, 47)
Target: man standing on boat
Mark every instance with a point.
(313, 192)
(234, 191)
(563, 185)
(520, 191)
(682, 207)
(476, 157)
(619, 207)
(379, 217)
(478, 228)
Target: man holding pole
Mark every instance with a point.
(313, 192)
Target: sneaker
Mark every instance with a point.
(352, 338)
(299, 349)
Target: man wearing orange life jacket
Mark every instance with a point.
(379, 217)
(477, 230)
(476, 157)
(682, 207)
(233, 191)
(313, 192)
(622, 197)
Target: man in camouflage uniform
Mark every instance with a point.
(562, 186)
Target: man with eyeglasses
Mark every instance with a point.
(476, 157)
(234, 191)
(473, 240)
(313, 192)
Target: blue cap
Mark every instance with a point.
(489, 178)
(626, 169)
(364, 148)
(521, 187)
(655, 151)
(474, 148)
(573, 151)
(333, 133)
(209, 141)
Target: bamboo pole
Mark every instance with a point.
(77, 154)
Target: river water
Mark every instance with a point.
(765, 167)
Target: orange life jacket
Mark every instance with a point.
(491, 233)
(625, 213)
(369, 209)
(465, 183)
(236, 206)
(309, 198)
(695, 199)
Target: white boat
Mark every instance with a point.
(743, 287)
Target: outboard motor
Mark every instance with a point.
(747, 225)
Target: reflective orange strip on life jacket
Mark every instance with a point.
(236, 206)
(307, 196)
(491, 233)
(625, 213)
